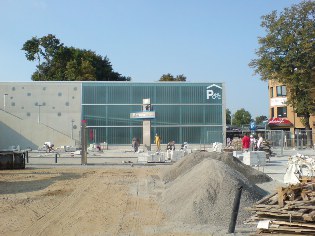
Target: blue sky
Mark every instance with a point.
(205, 40)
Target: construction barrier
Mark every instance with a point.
(12, 160)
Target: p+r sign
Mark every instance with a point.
(211, 94)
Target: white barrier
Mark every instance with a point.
(254, 158)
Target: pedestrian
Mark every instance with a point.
(228, 142)
(245, 143)
(260, 142)
(135, 143)
(49, 146)
(171, 145)
(252, 142)
(157, 141)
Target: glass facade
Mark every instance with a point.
(185, 112)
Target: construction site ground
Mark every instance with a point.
(111, 195)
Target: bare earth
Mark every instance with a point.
(191, 197)
(82, 201)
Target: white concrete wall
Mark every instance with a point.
(61, 103)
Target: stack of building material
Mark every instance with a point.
(299, 166)
(237, 144)
(151, 157)
(254, 158)
(290, 210)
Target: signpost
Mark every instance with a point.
(146, 115)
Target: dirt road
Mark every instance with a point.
(82, 201)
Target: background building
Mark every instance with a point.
(282, 116)
(36, 112)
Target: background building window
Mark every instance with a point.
(281, 91)
(271, 92)
(272, 111)
(281, 111)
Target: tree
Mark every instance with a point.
(43, 50)
(170, 77)
(260, 119)
(287, 55)
(242, 117)
(228, 115)
(57, 62)
(180, 78)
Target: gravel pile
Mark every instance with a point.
(200, 189)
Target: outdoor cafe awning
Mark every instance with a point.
(279, 122)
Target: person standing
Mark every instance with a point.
(260, 141)
(157, 141)
(135, 143)
(245, 143)
(252, 142)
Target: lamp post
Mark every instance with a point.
(72, 128)
(4, 103)
(39, 105)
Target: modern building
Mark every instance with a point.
(35, 112)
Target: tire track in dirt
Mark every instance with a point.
(61, 210)
(141, 210)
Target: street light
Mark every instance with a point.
(72, 128)
(4, 95)
(39, 105)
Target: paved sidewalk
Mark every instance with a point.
(277, 166)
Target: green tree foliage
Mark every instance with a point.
(260, 119)
(241, 117)
(287, 54)
(228, 115)
(57, 62)
(170, 77)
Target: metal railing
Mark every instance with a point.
(300, 139)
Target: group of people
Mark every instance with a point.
(157, 141)
(136, 142)
(250, 143)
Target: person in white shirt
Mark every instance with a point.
(260, 140)
(252, 142)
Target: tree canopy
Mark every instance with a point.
(57, 62)
(170, 77)
(241, 117)
(228, 115)
(287, 54)
(260, 119)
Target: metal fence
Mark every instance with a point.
(282, 139)
(286, 139)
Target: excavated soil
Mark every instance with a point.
(191, 197)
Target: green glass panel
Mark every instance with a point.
(184, 111)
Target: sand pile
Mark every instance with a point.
(205, 191)
(186, 164)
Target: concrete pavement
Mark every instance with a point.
(276, 168)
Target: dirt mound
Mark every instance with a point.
(205, 191)
(186, 164)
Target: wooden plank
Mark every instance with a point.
(292, 229)
(301, 202)
(293, 224)
(304, 195)
(281, 196)
(305, 207)
(266, 198)
(309, 217)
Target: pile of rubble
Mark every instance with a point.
(299, 166)
(290, 210)
(234, 145)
